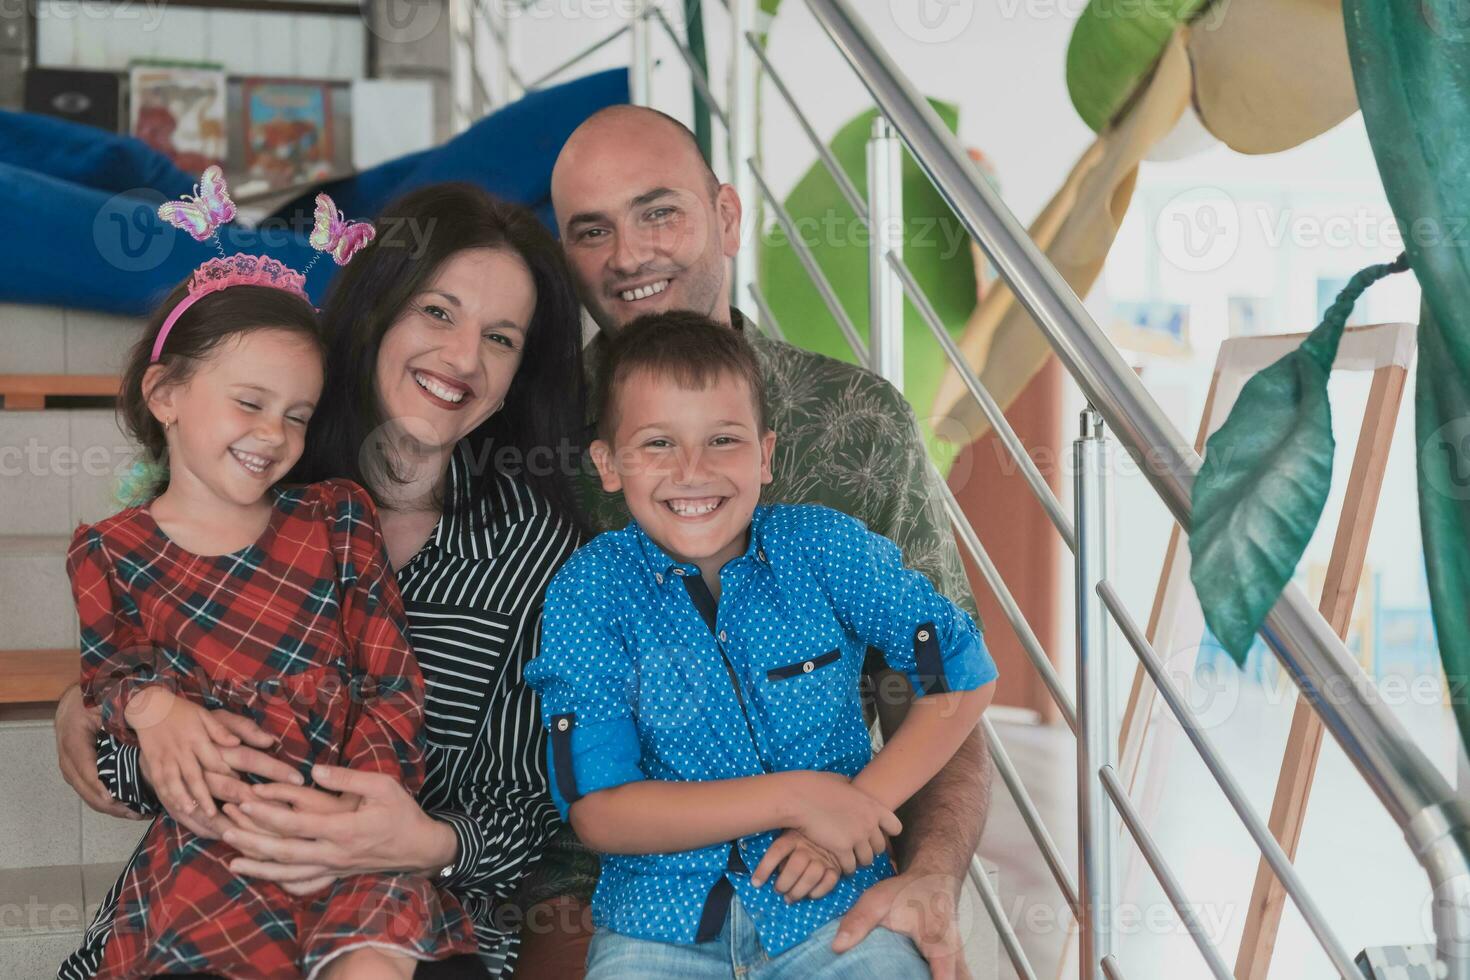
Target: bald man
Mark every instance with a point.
(646, 227)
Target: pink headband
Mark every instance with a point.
(201, 215)
(237, 270)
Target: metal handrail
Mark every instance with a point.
(768, 322)
(809, 262)
(695, 72)
(577, 58)
(1410, 788)
(844, 182)
(1155, 858)
(994, 414)
(1258, 830)
(1029, 815)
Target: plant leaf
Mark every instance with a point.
(1258, 497)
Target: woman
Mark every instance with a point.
(454, 395)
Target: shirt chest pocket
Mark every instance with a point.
(462, 653)
(811, 689)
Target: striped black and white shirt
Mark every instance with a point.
(473, 595)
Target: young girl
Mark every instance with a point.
(225, 591)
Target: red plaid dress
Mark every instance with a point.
(303, 632)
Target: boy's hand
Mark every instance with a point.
(807, 871)
(842, 819)
(179, 751)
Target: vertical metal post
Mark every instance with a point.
(885, 234)
(640, 78)
(742, 143)
(1096, 822)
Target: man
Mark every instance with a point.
(646, 226)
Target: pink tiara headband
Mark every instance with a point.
(201, 214)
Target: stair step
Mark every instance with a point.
(47, 825)
(56, 340)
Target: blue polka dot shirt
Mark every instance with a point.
(643, 676)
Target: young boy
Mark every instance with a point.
(699, 680)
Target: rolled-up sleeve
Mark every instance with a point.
(897, 610)
(586, 680)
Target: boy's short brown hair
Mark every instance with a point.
(687, 347)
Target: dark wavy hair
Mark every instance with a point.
(544, 408)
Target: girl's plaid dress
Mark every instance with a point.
(304, 633)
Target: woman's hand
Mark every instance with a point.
(369, 823)
(842, 819)
(807, 871)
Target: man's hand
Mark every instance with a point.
(922, 907)
(76, 751)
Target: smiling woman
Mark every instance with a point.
(453, 394)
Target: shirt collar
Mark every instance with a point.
(465, 536)
(663, 569)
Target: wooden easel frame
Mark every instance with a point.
(1386, 350)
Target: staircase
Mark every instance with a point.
(58, 465)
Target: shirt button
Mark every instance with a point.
(808, 667)
(760, 553)
(678, 571)
(562, 724)
(922, 635)
(722, 636)
(658, 577)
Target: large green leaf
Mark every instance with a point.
(936, 251)
(1265, 478)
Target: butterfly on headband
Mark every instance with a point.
(208, 208)
(333, 233)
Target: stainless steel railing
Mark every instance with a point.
(1435, 824)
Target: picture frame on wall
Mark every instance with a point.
(179, 109)
(287, 129)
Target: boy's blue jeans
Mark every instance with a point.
(737, 953)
